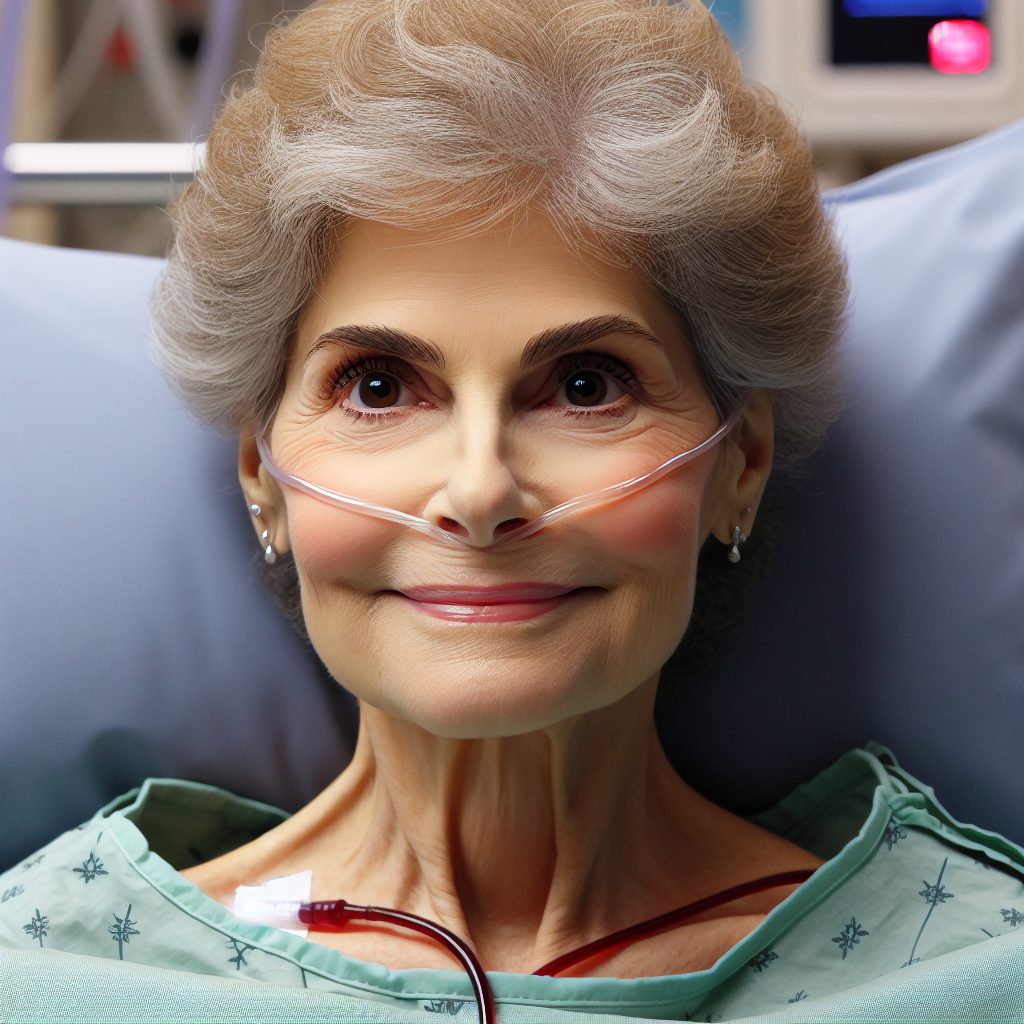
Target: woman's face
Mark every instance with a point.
(460, 433)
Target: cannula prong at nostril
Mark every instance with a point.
(509, 525)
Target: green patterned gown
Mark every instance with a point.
(913, 917)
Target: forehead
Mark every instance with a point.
(511, 282)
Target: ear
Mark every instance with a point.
(744, 468)
(260, 488)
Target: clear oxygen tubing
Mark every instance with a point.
(604, 496)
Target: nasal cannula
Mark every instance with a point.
(600, 497)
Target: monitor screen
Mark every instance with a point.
(947, 36)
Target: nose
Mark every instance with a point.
(481, 497)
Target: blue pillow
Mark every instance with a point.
(896, 609)
(136, 640)
(135, 637)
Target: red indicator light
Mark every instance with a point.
(960, 47)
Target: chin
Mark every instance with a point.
(486, 706)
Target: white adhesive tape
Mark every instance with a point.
(262, 903)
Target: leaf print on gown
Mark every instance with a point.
(91, 868)
(894, 833)
(850, 936)
(37, 927)
(763, 961)
(449, 1006)
(240, 948)
(934, 894)
(122, 930)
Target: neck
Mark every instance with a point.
(525, 845)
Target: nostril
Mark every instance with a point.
(457, 529)
(509, 524)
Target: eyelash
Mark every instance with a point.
(354, 368)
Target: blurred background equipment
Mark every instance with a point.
(875, 77)
(95, 72)
(872, 81)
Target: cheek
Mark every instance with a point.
(652, 539)
(329, 542)
(339, 556)
(657, 527)
(650, 526)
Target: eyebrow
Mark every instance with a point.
(540, 348)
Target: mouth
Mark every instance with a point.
(516, 602)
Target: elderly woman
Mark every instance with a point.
(513, 305)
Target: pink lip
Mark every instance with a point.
(515, 602)
(507, 593)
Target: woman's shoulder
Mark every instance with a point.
(172, 821)
(867, 794)
(907, 899)
(177, 816)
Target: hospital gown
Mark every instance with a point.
(913, 916)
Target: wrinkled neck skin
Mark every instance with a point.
(527, 846)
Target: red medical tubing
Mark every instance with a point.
(334, 915)
(663, 922)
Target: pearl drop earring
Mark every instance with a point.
(738, 538)
(269, 552)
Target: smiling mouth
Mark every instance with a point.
(515, 603)
(509, 593)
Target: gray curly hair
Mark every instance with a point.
(627, 123)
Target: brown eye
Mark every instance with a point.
(586, 387)
(378, 390)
